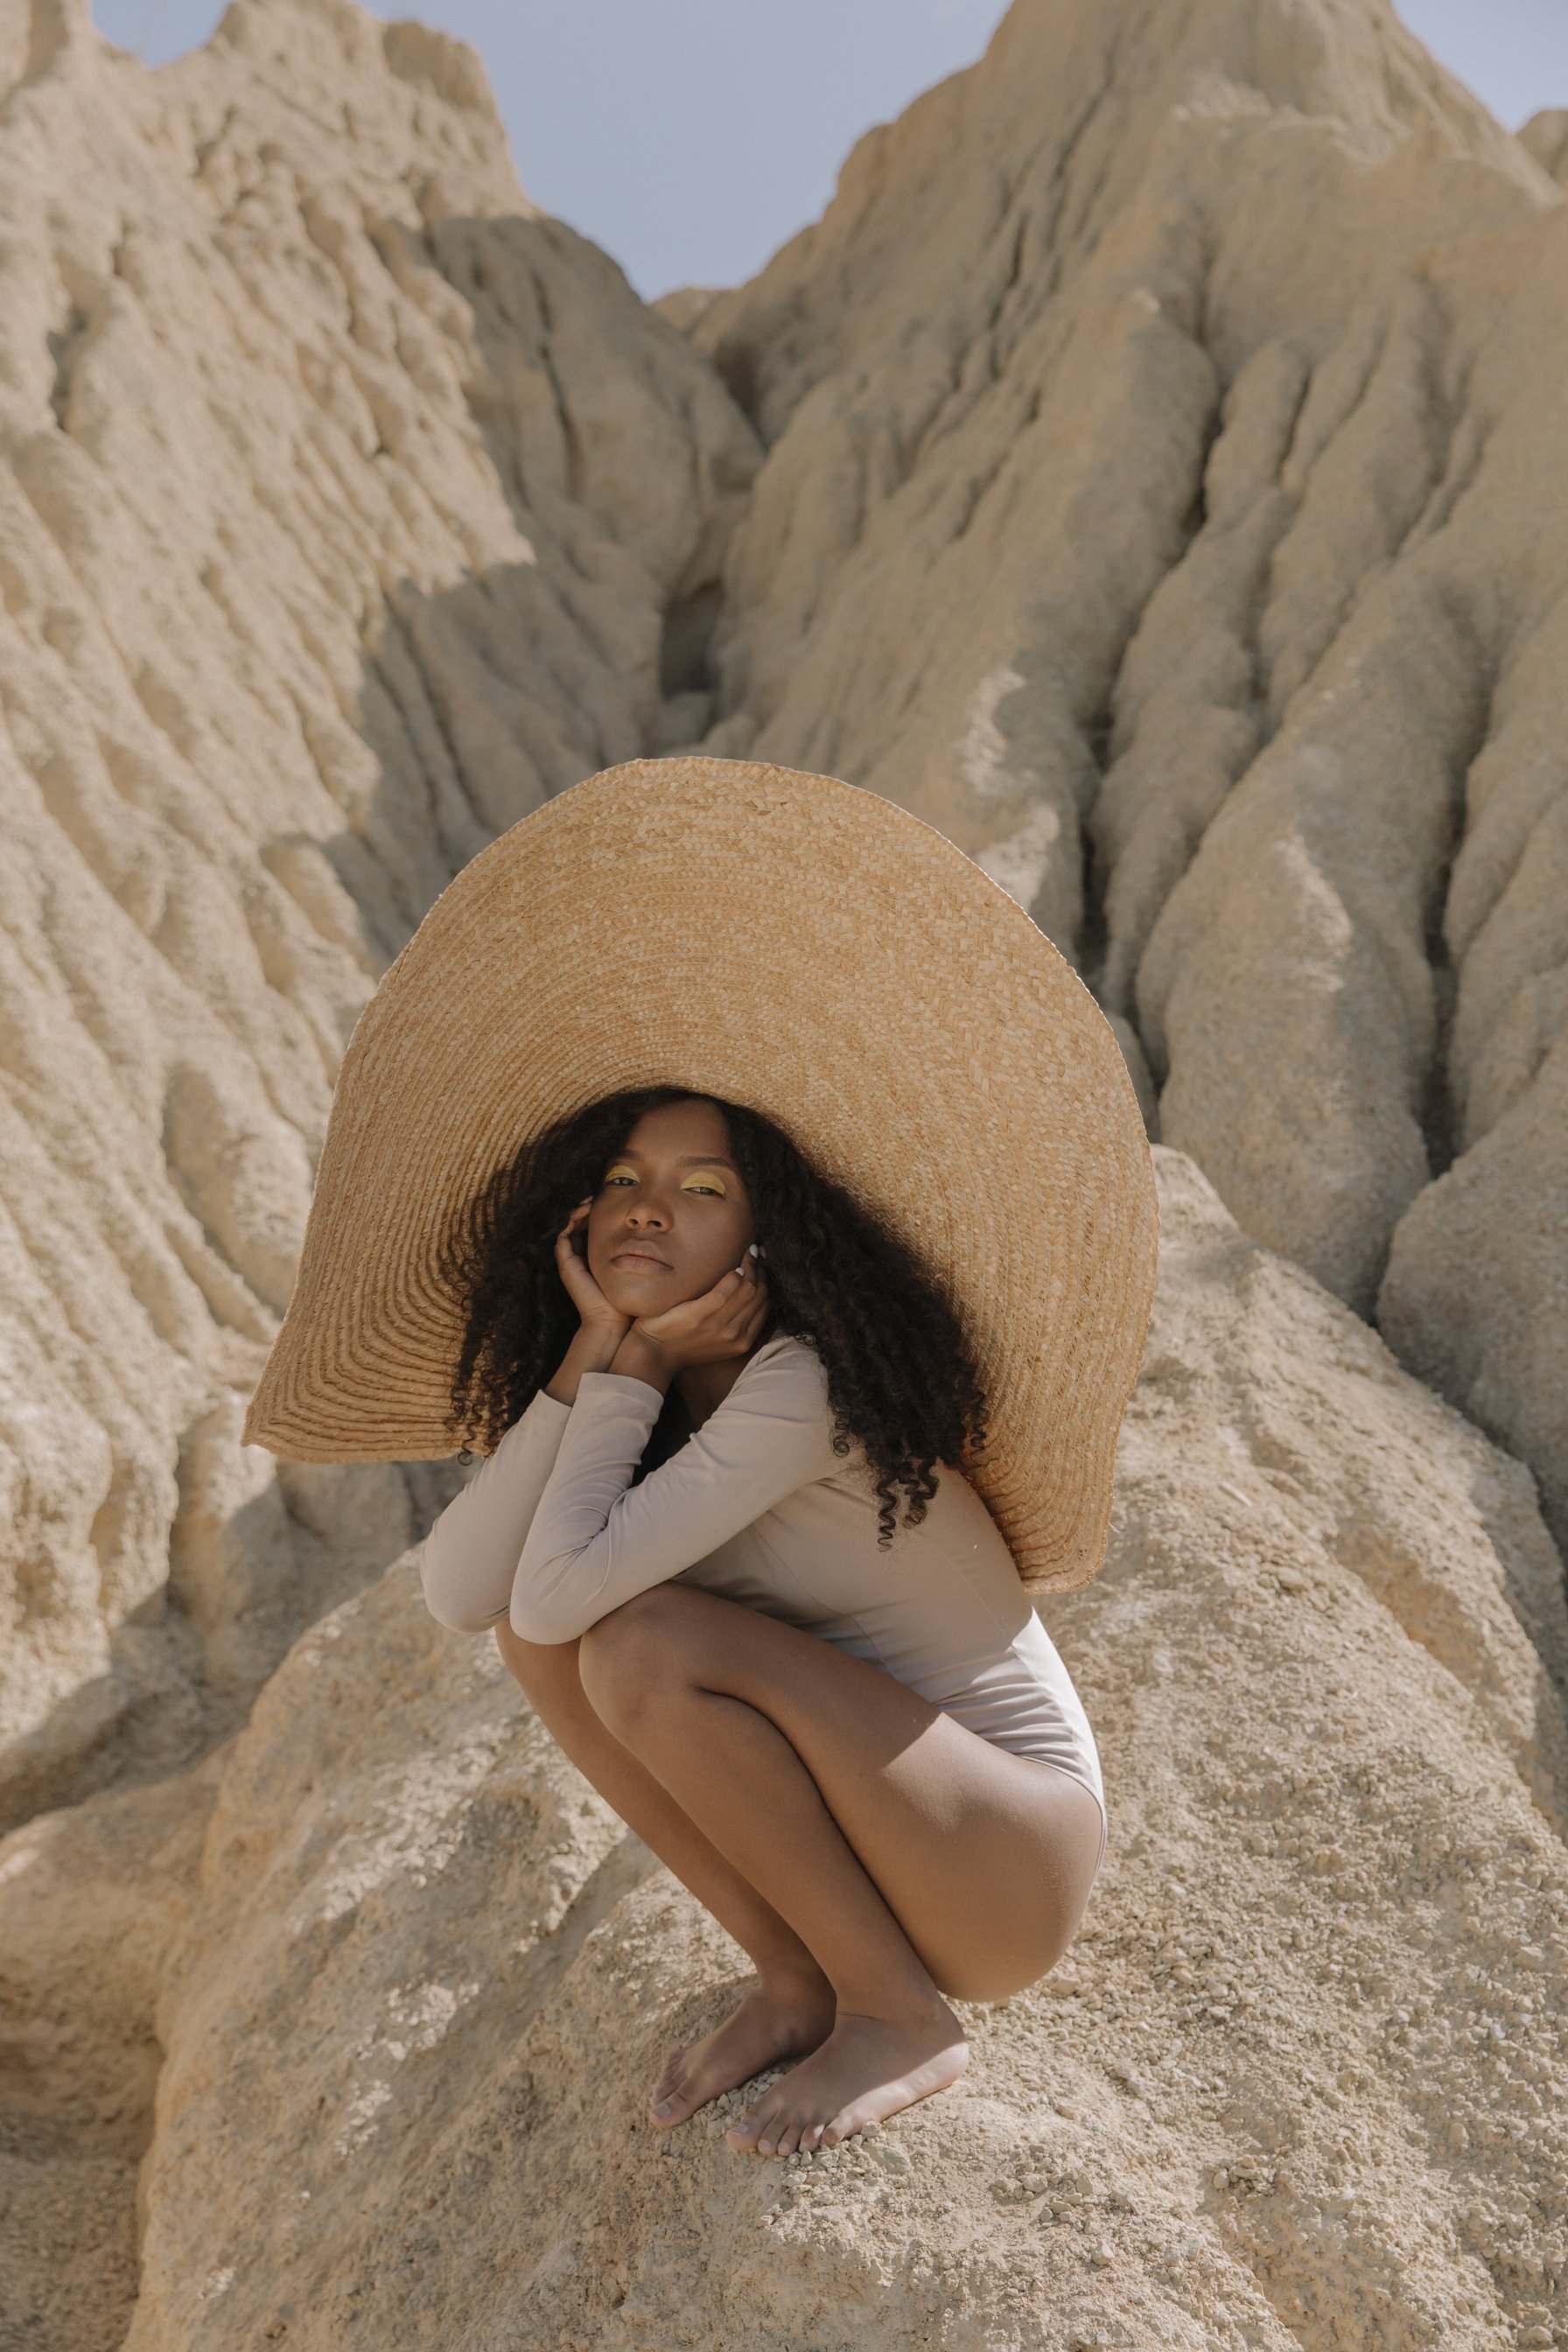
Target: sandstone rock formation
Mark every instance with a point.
(1165, 451)
(1149, 470)
(1545, 136)
(346, 502)
(1301, 2082)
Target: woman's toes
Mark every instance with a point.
(772, 2022)
(748, 2134)
(674, 2098)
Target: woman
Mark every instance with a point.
(756, 1532)
(865, 1757)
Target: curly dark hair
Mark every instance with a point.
(901, 1376)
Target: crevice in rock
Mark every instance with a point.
(735, 364)
(546, 354)
(1439, 1113)
(686, 664)
(1100, 736)
(1094, 929)
(64, 346)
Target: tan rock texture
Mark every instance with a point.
(1192, 560)
(342, 502)
(1164, 495)
(93, 1901)
(1149, 469)
(1301, 2082)
(1545, 136)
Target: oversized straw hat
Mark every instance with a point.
(798, 945)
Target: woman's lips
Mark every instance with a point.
(641, 1261)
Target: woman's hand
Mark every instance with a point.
(722, 1323)
(594, 1309)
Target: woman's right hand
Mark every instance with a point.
(594, 1309)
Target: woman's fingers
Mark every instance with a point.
(567, 1238)
(722, 1321)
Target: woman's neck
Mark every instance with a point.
(702, 1387)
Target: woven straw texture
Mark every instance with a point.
(799, 945)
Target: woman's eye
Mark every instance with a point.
(707, 1184)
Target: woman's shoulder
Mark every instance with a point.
(784, 1386)
(784, 1376)
(787, 1359)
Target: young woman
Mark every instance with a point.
(756, 1532)
(729, 1556)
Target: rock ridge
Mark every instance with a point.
(346, 501)
(1159, 430)
(1148, 470)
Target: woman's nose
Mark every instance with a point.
(647, 1212)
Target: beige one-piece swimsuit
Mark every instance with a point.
(756, 1507)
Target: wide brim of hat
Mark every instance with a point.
(799, 945)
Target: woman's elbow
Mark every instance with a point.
(453, 1605)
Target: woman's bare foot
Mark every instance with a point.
(780, 2019)
(867, 2069)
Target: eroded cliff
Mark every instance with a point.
(346, 506)
(1164, 496)
(1149, 469)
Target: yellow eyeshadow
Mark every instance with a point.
(699, 1176)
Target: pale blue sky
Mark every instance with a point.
(692, 137)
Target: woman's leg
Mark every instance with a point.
(791, 2009)
(904, 1851)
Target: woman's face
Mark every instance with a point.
(671, 1213)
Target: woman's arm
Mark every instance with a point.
(471, 1553)
(596, 1540)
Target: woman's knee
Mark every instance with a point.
(637, 1654)
(1027, 1935)
(1005, 1965)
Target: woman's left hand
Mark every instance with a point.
(722, 1323)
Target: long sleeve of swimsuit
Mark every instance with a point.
(471, 1553)
(596, 1540)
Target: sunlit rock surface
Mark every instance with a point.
(1150, 470)
(1299, 2083)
